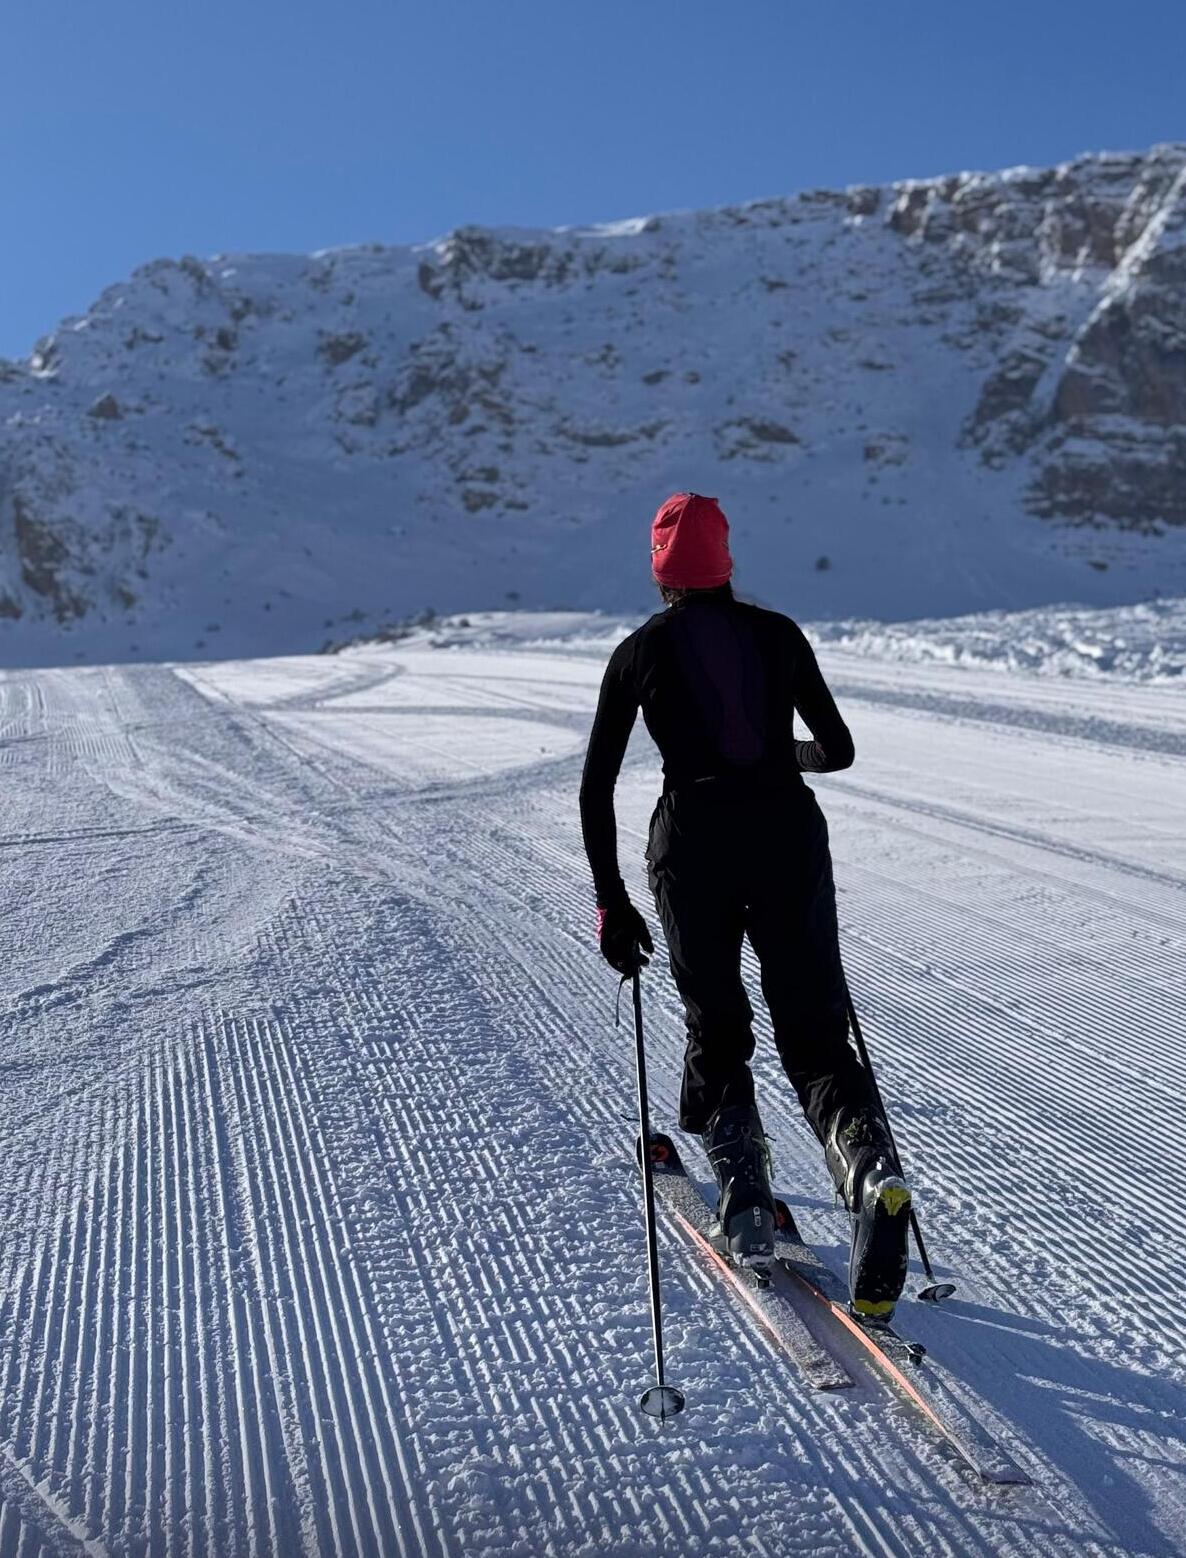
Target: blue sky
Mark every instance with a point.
(135, 128)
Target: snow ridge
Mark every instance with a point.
(1145, 643)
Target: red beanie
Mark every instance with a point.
(690, 543)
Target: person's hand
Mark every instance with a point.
(623, 936)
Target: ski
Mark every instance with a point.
(901, 1361)
(898, 1358)
(773, 1309)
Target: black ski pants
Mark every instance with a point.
(725, 863)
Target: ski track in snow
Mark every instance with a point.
(319, 1230)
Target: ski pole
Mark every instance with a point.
(934, 1290)
(661, 1400)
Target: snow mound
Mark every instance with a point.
(594, 631)
(1145, 643)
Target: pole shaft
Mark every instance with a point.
(648, 1183)
(868, 1065)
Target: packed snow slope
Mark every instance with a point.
(941, 396)
(319, 1226)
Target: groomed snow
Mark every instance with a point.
(318, 1223)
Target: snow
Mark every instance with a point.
(319, 1229)
(1141, 643)
(1144, 643)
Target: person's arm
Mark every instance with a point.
(832, 747)
(616, 710)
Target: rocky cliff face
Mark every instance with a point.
(1102, 401)
(939, 396)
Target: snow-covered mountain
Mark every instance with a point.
(942, 396)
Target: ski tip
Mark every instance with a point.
(832, 1381)
(1006, 1475)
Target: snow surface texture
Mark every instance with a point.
(319, 1227)
(943, 396)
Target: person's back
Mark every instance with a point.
(737, 846)
(718, 681)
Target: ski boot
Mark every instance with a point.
(861, 1159)
(740, 1159)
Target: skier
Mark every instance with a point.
(737, 846)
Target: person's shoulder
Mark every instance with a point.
(771, 621)
(781, 634)
(763, 613)
(626, 648)
(654, 624)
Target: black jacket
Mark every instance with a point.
(718, 681)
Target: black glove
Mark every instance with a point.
(624, 937)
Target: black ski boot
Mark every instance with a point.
(740, 1159)
(863, 1164)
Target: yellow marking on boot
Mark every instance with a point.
(895, 1198)
(874, 1308)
